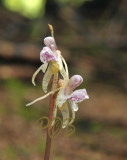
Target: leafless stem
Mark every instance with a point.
(49, 130)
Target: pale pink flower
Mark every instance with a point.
(50, 42)
(67, 95)
(47, 55)
(52, 61)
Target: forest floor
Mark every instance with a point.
(100, 124)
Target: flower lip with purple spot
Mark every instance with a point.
(79, 95)
(47, 55)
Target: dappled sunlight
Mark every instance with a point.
(29, 8)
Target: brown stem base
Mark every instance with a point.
(48, 146)
(49, 130)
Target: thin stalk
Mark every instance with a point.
(51, 109)
(49, 130)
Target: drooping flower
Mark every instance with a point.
(52, 61)
(66, 95)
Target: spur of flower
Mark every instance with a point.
(66, 96)
(52, 61)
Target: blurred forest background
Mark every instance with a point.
(92, 36)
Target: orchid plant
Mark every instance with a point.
(52, 61)
(63, 89)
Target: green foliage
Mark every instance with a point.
(89, 126)
(58, 158)
(41, 146)
(3, 110)
(96, 127)
(11, 152)
(15, 85)
(118, 132)
(29, 113)
(1, 153)
(24, 151)
(16, 93)
(28, 8)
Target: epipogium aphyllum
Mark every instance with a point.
(63, 93)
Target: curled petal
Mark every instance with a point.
(79, 95)
(35, 74)
(46, 55)
(50, 42)
(46, 79)
(44, 67)
(65, 114)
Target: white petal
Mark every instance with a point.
(87, 97)
(79, 95)
(66, 68)
(44, 67)
(46, 79)
(75, 81)
(65, 114)
(60, 98)
(63, 71)
(40, 98)
(50, 42)
(35, 74)
(74, 106)
(73, 112)
(59, 61)
(64, 75)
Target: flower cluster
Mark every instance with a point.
(54, 63)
